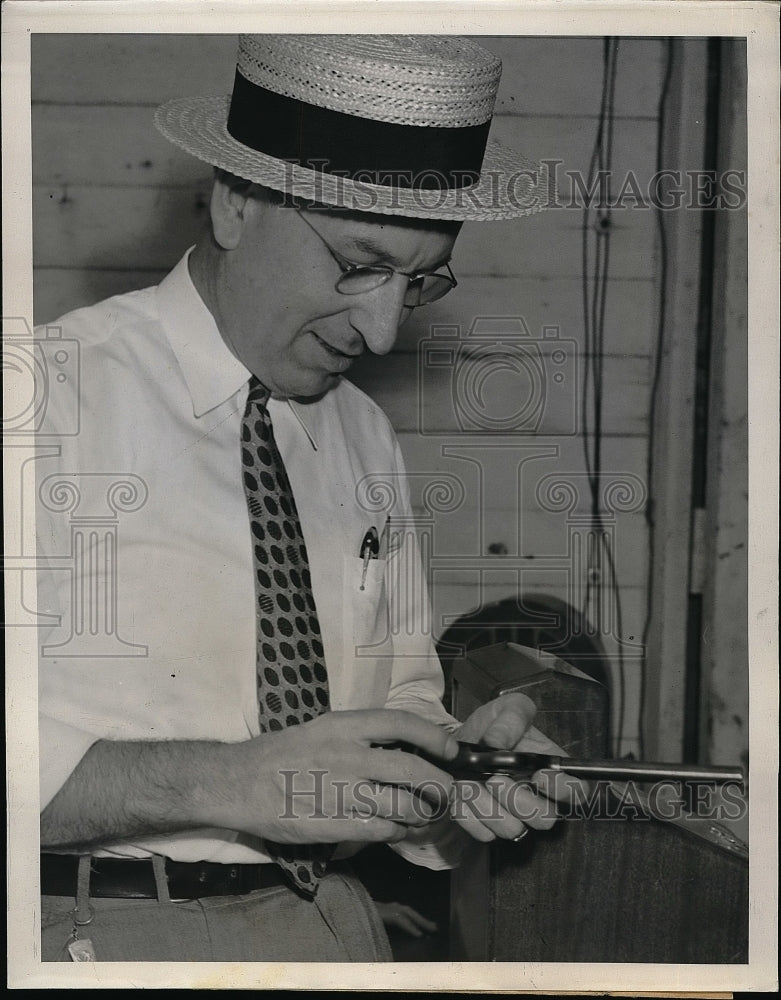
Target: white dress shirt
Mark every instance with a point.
(160, 400)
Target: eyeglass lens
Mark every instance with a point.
(420, 291)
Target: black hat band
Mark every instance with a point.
(361, 149)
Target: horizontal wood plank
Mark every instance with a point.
(550, 245)
(441, 399)
(435, 453)
(453, 596)
(630, 314)
(560, 75)
(127, 228)
(536, 540)
(507, 469)
(526, 496)
(134, 227)
(57, 291)
(569, 141)
(109, 145)
(629, 321)
(540, 75)
(130, 68)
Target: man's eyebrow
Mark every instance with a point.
(382, 256)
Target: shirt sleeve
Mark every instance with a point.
(62, 741)
(417, 681)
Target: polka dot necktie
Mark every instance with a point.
(291, 674)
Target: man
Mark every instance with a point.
(251, 719)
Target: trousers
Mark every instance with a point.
(341, 924)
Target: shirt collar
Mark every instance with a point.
(211, 371)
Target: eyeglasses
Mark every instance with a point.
(422, 288)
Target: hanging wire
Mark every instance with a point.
(650, 518)
(594, 304)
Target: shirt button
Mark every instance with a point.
(319, 868)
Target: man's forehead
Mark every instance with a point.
(389, 239)
(374, 221)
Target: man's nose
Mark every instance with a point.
(378, 314)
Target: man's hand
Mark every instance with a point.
(324, 782)
(405, 918)
(501, 806)
(321, 781)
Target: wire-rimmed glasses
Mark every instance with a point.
(422, 287)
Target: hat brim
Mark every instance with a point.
(510, 186)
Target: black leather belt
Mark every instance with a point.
(127, 879)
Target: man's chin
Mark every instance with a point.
(316, 388)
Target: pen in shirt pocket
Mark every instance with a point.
(370, 547)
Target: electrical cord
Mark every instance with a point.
(661, 119)
(594, 306)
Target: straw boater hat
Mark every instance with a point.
(394, 124)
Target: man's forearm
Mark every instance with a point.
(130, 789)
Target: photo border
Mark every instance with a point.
(758, 22)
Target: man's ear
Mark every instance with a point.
(228, 207)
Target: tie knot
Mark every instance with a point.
(258, 393)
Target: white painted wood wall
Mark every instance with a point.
(115, 206)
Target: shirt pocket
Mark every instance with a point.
(365, 603)
(367, 641)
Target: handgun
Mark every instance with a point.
(473, 760)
